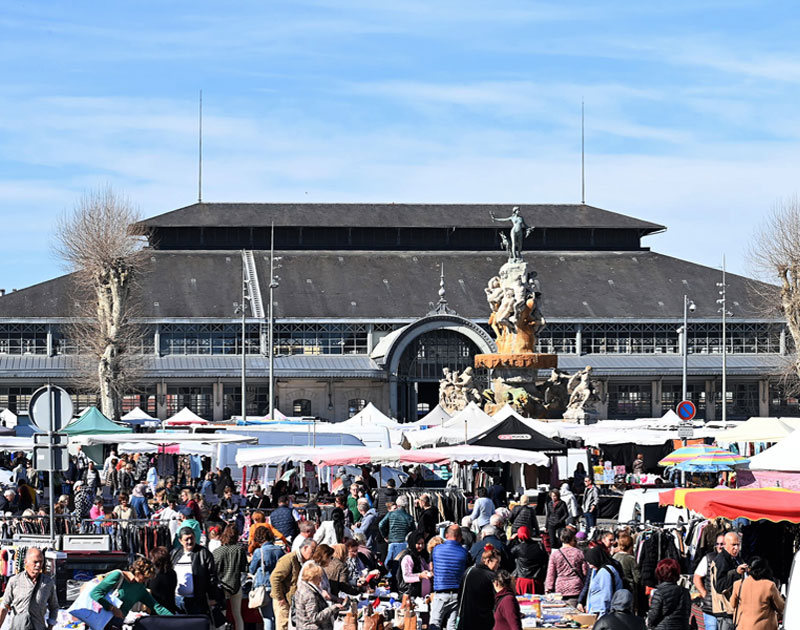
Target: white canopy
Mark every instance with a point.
(137, 414)
(9, 418)
(550, 429)
(186, 416)
(176, 448)
(471, 414)
(781, 457)
(353, 456)
(434, 418)
(12, 443)
(276, 415)
(173, 437)
(759, 430)
(369, 416)
(469, 422)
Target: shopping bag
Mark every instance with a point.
(258, 596)
(85, 609)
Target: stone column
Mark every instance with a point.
(50, 348)
(579, 339)
(157, 340)
(655, 398)
(218, 408)
(711, 408)
(763, 398)
(161, 400)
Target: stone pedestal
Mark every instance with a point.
(513, 381)
(581, 416)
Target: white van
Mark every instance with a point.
(641, 506)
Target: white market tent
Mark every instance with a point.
(174, 437)
(137, 414)
(781, 457)
(354, 456)
(470, 422)
(434, 418)
(759, 430)
(369, 416)
(174, 448)
(13, 443)
(549, 429)
(469, 415)
(185, 417)
(9, 418)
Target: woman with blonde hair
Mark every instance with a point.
(312, 610)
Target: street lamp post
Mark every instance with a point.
(723, 308)
(273, 284)
(243, 309)
(688, 306)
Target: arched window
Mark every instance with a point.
(301, 407)
(354, 405)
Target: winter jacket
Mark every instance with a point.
(525, 516)
(476, 551)
(312, 612)
(566, 571)
(659, 546)
(396, 525)
(337, 578)
(204, 572)
(670, 608)
(476, 599)
(556, 515)
(283, 578)
(591, 499)
(449, 563)
(231, 561)
(497, 493)
(530, 560)
(507, 615)
(282, 519)
(726, 573)
(428, 520)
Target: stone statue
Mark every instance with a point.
(519, 230)
(555, 393)
(583, 396)
(456, 390)
(516, 317)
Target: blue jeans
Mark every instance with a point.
(444, 610)
(394, 549)
(267, 614)
(591, 520)
(709, 621)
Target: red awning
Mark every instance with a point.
(773, 504)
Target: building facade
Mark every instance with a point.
(358, 315)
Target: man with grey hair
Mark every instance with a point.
(8, 504)
(31, 596)
(368, 525)
(428, 518)
(283, 580)
(490, 535)
(307, 530)
(394, 528)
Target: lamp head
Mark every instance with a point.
(692, 307)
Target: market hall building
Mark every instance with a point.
(358, 315)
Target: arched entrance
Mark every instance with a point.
(416, 354)
(420, 369)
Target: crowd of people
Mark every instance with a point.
(306, 562)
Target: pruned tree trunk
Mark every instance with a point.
(100, 243)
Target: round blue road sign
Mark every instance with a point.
(686, 410)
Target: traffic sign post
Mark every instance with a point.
(686, 410)
(50, 409)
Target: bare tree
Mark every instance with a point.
(100, 244)
(775, 255)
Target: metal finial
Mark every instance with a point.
(441, 307)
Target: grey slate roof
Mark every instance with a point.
(297, 366)
(391, 215)
(641, 286)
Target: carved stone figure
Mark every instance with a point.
(555, 394)
(456, 390)
(583, 396)
(519, 230)
(516, 318)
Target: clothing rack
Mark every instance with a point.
(132, 536)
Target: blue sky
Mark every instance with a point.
(691, 110)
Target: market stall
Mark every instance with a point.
(777, 465)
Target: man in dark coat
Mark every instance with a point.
(428, 518)
(726, 569)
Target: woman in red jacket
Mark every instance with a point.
(507, 615)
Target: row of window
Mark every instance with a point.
(634, 400)
(310, 339)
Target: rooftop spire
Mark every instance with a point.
(441, 308)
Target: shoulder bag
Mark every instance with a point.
(258, 594)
